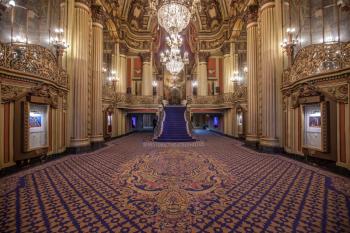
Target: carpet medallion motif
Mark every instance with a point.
(174, 180)
(220, 186)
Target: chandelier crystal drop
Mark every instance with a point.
(172, 58)
(174, 15)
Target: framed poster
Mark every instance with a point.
(35, 126)
(314, 126)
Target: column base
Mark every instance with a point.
(96, 138)
(79, 146)
(270, 145)
(252, 141)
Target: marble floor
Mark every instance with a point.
(135, 185)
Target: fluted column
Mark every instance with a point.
(97, 60)
(188, 86)
(80, 59)
(146, 74)
(269, 50)
(252, 65)
(202, 74)
(123, 49)
(226, 49)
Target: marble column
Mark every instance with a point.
(80, 60)
(202, 74)
(97, 60)
(252, 65)
(269, 49)
(146, 74)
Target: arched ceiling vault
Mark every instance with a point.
(219, 20)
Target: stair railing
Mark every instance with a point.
(159, 128)
(188, 122)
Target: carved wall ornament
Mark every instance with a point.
(252, 13)
(213, 44)
(33, 60)
(339, 93)
(137, 44)
(11, 93)
(318, 59)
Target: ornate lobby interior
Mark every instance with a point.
(174, 116)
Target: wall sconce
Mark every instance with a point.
(236, 77)
(288, 44)
(154, 85)
(245, 69)
(194, 83)
(113, 77)
(57, 41)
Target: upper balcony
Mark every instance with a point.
(33, 62)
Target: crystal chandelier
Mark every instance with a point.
(172, 59)
(174, 15)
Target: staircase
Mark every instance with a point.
(174, 128)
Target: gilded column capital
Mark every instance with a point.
(266, 3)
(97, 13)
(226, 48)
(253, 13)
(85, 2)
(203, 56)
(146, 56)
(123, 48)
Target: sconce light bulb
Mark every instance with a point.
(12, 3)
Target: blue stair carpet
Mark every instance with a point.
(174, 126)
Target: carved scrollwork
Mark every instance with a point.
(317, 59)
(338, 93)
(11, 93)
(34, 60)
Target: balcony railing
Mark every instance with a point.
(318, 59)
(32, 60)
(239, 94)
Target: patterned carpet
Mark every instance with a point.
(219, 186)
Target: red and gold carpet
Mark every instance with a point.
(218, 186)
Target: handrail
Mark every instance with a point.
(159, 128)
(188, 124)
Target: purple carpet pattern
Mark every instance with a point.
(218, 187)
